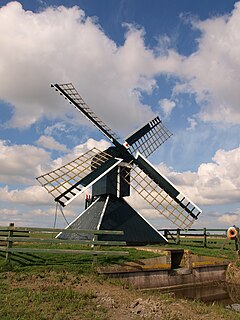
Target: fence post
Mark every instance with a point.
(237, 241)
(95, 238)
(9, 243)
(166, 234)
(178, 236)
(204, 237)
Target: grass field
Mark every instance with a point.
(216, 248)
(67, 287)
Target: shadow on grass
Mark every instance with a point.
(70, 261)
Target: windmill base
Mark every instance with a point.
(111, 213)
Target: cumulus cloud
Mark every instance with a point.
(213, 183)
(216, 182)
(33, 206)
(23, 163)
(192, 123)
(79, 150)
(20, 163)
(33, 196)
(61, 45)
(212, 73)
(167, 106)
(50, 143)
(56, 128)
(35, 217)
(230, 218)
(8, 212)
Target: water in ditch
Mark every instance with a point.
(222, 293)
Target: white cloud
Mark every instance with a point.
(56, 128)
(35, 217)
(50, 143)
(79, 150)
(62, 45)
(31, 196)
(214, 183)
(20, 163)
(217, 182)
(230, 218)
(212, 73)
(167, 106)
(192, 123)
(51, 212)
(23, 163)
(8, 212)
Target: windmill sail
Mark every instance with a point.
(71, 94)
(148, 138)
(112, 172)
(69, 181)
(161, 194)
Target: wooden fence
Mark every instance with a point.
(201, 237)
(12, 238)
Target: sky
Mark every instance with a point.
(130, 60)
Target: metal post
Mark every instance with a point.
(9, 243)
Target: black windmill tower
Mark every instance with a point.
(111, 173)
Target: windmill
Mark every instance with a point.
(111, 173)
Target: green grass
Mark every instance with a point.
(83, 262)
(219, 248)
(48, 302)
(44, 286)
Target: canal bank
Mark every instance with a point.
(173, 267)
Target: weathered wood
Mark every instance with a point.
(237, 241)
(19, 235)
(192, 235)
(15, 235)
(52, 230)
(189, 241)
(63, 251)
(204, 237)
(181, 234)
(62, 241)
(190, 230)
(178, 236)
(9, 243)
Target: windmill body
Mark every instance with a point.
(110, 211)
(112, 173)
(114, 182)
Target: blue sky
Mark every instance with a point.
(130, 60)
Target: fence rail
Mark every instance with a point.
(19, 236)
(203, 237)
